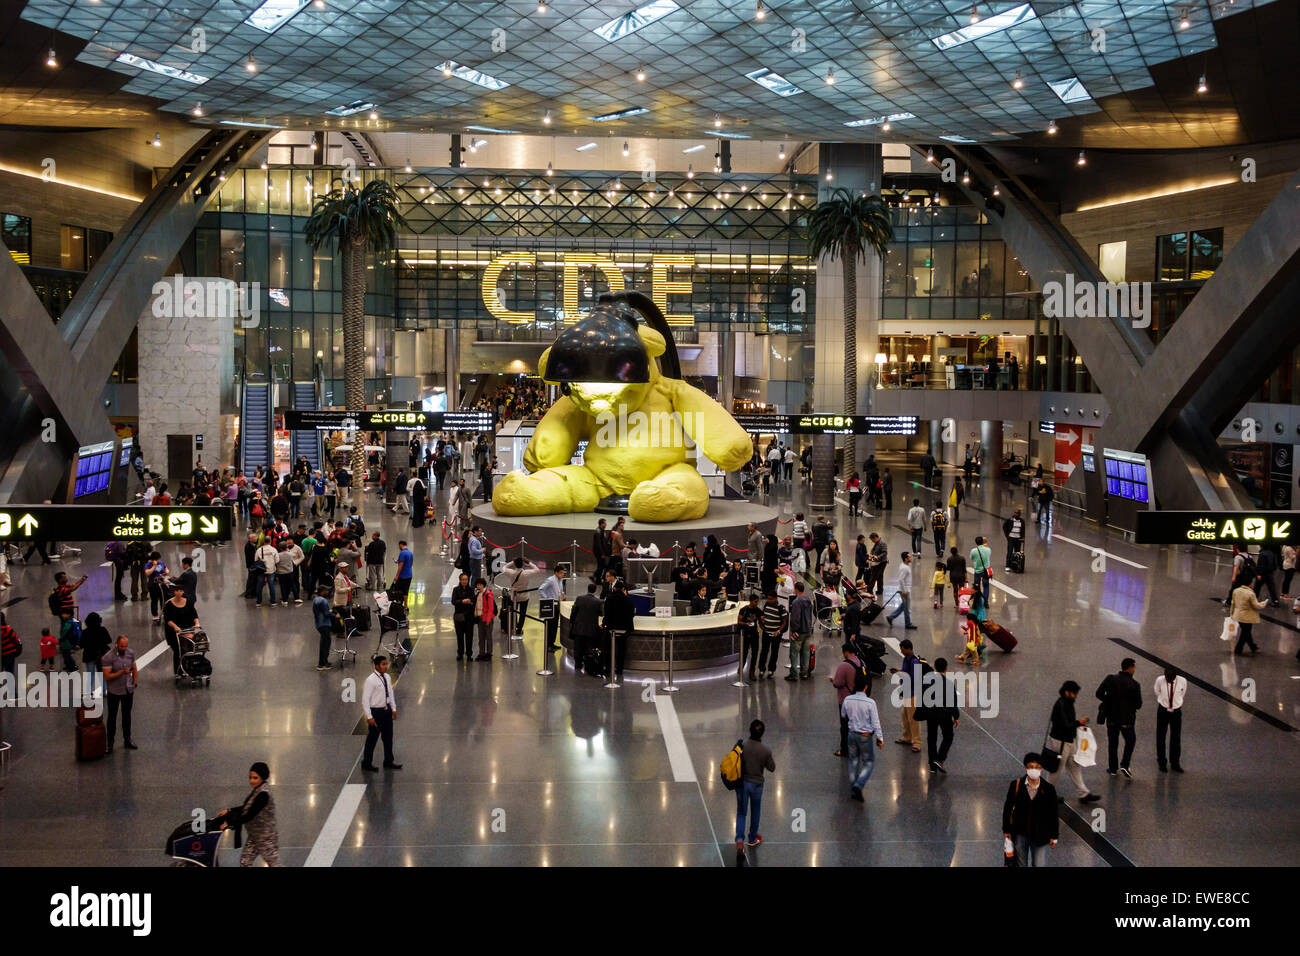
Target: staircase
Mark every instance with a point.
(255, 427)
(305, 443)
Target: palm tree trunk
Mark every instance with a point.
(354, 344)
(850, 264)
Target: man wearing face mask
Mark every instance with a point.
(1061, 732)
(1029, 819)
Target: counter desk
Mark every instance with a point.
(699, 640)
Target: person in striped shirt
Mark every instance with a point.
(775, 620)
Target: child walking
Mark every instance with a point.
(940, 582)
(49, 647)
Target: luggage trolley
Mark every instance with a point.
(394, 625)
(196, 669)
(344, 624)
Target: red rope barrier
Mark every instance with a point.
(543, 551)
(737, 550)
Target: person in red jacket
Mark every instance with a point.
(485, 612)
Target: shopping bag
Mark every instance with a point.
(1085, 748)
(1230, 630)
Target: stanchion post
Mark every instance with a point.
(612, 681)
(740, 664)
(573, 559)
(510, 654)
(670, 687)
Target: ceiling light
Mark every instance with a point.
(313, 149)
(781, 153)
(408, 162)
(690, 171)
(585, 146)
(693, 149)
(885, 127)
(552, 190)
(1202, 86)
(320, 4)
(620, 114)
(550, 171)
(154, 66)
(929, 156)
(996, 191)
(541, 6)
(629, 23)
(1017, 83)
(717, 121)
(51, 60)
(1051, 128)
(1183, 22)
(965, 178)
(775, 82)
(446, 69)
(974, 15)
(264, 164)
(272, 14)
(640, 74)
(982, 28)
(374, 114)
(1082, 160)
(759, 11)
(198, 109)
(250, 66)
(830, 76)
(625, 150)
(546, 118)
(156, 141)
(829, 175)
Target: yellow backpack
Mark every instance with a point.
(731, 766)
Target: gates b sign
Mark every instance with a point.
(112, 523)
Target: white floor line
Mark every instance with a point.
(678, 756)
(331, 835)
(1012, 591)
(865, 514)
(1094, 550)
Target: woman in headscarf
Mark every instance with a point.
(715, 562)
(419, 501)
(254, 820)
(770, 555)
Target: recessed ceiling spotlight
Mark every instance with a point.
(541, 6)
(830, 76)
(781, 153)
(546, 118)
(251, 65)
(1082, 160)
(1183, 21)
(717, 121)
(974, 14)
(640, 74)
(625, 149)
(446, 68)
(1017, 83)
(198, 109)
(760, 12)
(1202, 86)
(1051, 128)
(156, 141)
(690, 170)
(550, 171)
(51, 60)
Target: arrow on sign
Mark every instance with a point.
(27, 523)
(208, 525)
(1066, 466)
(1281, 529)
(1069, 437)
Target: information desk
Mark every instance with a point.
(699, 640)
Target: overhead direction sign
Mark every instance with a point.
(818, 424)
(389, 419)
(1218, 527)
(114, 523)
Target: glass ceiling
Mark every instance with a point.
(920, 59)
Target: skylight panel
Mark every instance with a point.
(273, 14)
(1005, 20)
(1070, 90)
(621, 114)
(473, 76)
(162, 69)
(629, 23)
(775, 82)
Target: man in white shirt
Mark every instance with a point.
(774, 462)
(1171, 688)
(789, 464)
(904, 594)
(380, 709)
(149, 492)
(267, 554)
(916, 524)
(864, 723)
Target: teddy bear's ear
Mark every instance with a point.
(541, 366)
(654, 342)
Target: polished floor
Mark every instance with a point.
(504, 767)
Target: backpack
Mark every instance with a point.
(939, 521)
(731, 766)
(1248, 570)
(55, 602)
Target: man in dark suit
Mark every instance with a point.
(619, 615)
(188, 581)
(584, 625)
(941, 719)
(1121, 699)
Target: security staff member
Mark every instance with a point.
(1171, 689)
(380, 710)
(552, 589)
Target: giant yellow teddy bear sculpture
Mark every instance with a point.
(636, 446)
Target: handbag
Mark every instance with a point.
(1085, 748)
(1050, 759)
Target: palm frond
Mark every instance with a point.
(849, 223)
(357, 216)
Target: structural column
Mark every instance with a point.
(726, 367)
(451, 366)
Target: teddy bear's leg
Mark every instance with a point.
(677, 493)
(549, 491)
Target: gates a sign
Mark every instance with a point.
(113, 523)
(1218, 527)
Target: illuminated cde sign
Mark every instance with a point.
(113, 523)
(815, 424)
(1217, 527)
(392, 419)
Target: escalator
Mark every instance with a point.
(255, 434)
(305, 443)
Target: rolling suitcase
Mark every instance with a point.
(92, 738)
(593, 663)
(870, 611)
(999, 635)
(361, 618)
(1016, 561)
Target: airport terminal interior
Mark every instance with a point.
(438, 433)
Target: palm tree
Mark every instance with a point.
(358, 221)
(846, 227)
